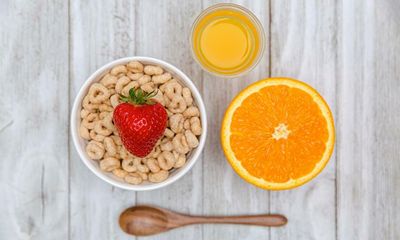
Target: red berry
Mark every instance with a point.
(140, 122)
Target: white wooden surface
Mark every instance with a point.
(349, 50)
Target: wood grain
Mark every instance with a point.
(225, 193)
(348, 50)
(368, 140)
(303, 44)
(33, 126)
(163, 33)
(100, 32)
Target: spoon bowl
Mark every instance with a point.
(143, 220)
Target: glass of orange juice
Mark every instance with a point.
(227, 40)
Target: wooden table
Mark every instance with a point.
(349, 50)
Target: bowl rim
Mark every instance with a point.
(74, 123)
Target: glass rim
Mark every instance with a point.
(253, 18)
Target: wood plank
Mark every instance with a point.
(163, 33)
(33, 129)
(224, 192)
(368, 134)
(101, 31)
(303, 46)
(348, 51)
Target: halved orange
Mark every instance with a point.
(278, 133)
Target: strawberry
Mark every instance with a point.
(140, 121)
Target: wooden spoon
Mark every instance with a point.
(147, 220)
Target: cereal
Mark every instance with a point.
(181, 160)
(90, 121)
(192, 111)
(112, 90)
(144, 79)
(144, 176)
(84, 132)
(109, 164)
(101, 129)
(140, 167)
(107, 122)
(191, 139)
(115, 132)
(167, 101)
(160, 98)
(87, 105)
(176, 154)
(172, 89)
(110, 146)
(109, 81)
(84, 113)
(169, 133)
(125, 90)
(177, 105)
(153, 70)
(156, 151)
(135, 67)
(161, 79)
(186, 124)
(152, 164)
(166, 145)
(102, 115)
(169, 113)
(103, 141)
(195, 126)
(148, 87)
(133, 178)
(98, 93)
(97, 137)
(108, 154)
(166, 160)
(123, 152)
(180, 144)
(119, 69)
(176, 123)
(95, 150)
(108, 101)
(105, 108)
(117, 140)
(159, 176)
(121, 83)
(134, 76)
(129, 165)
(187, 96)
(114, 99)
(120, 173)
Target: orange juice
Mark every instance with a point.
(227, 40)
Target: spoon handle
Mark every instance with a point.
(267, 220)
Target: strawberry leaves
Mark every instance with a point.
(139, 97)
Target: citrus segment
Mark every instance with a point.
(278, 133)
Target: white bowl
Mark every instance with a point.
(80, 143)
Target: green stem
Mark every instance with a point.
(139, 97)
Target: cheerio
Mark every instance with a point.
(227, 40)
